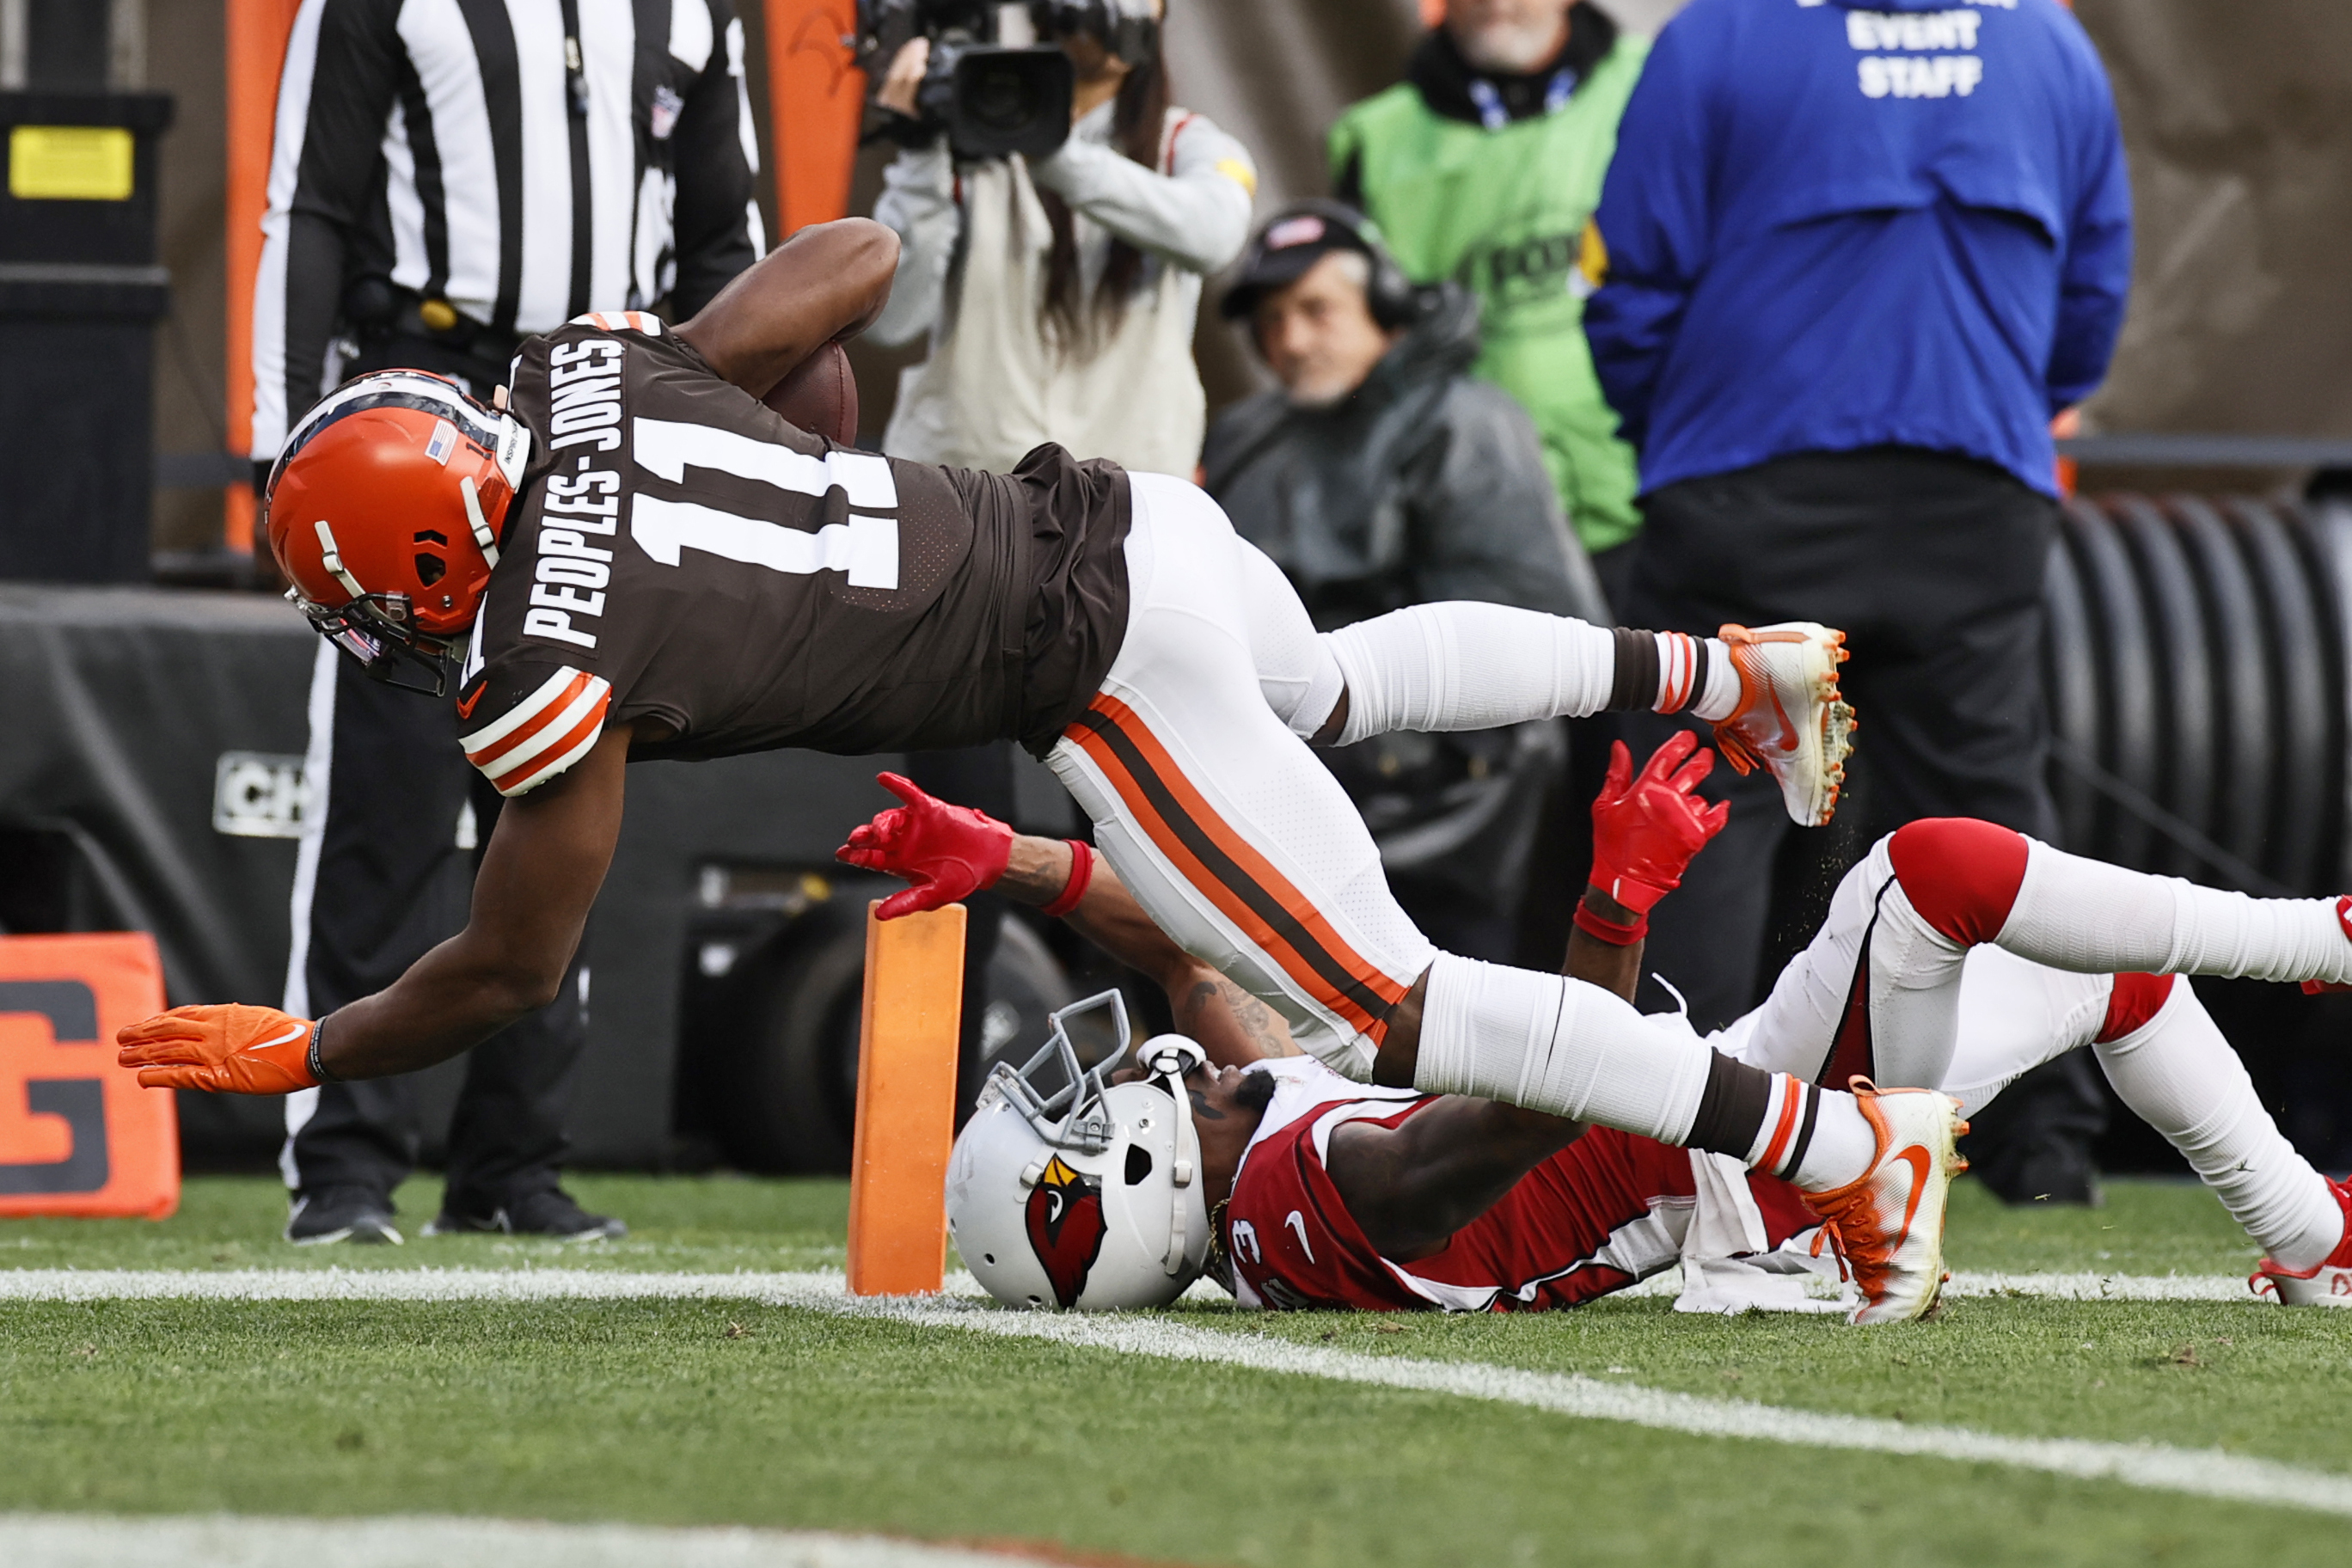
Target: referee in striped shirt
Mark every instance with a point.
(450, 177)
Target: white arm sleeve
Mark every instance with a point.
(1197, 217)
(918, 202)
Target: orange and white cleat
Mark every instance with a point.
(1888, 1227)
(2327, 1283)
(1790, 720)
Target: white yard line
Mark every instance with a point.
(69, 1540)
(2068, 1287)
(2107, 1287)
(402, 1285)
(2208, 1473)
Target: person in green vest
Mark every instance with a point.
(1483, 166)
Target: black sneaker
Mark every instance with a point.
(549, 1212)
(342, 1214)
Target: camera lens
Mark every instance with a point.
(1002, 98)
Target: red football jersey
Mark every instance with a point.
(1606, 1211)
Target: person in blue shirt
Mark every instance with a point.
(1850, 263)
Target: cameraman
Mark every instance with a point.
(1060, 296)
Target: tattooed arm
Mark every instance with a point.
(1234, 1028)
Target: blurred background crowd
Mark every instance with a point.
(2011, 338)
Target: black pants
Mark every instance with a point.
(1933, 567)
(392, 878)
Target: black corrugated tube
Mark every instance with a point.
(2196, 669)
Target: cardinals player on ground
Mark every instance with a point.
(1341, 1196)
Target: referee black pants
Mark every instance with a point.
(1932, 566)
(385, 874)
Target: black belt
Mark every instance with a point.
(442, 324)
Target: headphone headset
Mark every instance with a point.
(1388, 293)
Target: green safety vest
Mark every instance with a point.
(1504, 211)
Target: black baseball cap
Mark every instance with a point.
(1292, 241)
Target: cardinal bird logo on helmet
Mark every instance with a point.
(1065, 1228)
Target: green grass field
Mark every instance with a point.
(716, 1412)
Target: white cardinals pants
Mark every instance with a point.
(1925, 1000)
(1868, 996)
(1236, 841)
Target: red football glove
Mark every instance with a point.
(1645, 830)
(229, 1049)
(949, 852)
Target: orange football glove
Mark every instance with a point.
(229, 1049)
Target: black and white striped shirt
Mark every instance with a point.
(433, 144)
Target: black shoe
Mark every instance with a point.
(342, 1214)
(549, 1212)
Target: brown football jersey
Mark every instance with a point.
(679, 553)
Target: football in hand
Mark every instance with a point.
(820, 395)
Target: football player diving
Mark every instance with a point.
(627, 556)
(1315, 1191)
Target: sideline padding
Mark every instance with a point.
(78, 1135)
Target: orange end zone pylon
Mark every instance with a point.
(906, 1103)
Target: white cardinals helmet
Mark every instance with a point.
(1067, 1190)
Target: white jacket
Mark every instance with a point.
(972, 272)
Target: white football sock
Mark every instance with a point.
(1559, 1046)
(1817, 1138)
(2180, 1077)
(1683, 661)
(1469, 666)
(1721, 697)
(2094, 918)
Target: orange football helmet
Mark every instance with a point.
(385, 510)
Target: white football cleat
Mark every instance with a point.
(1888, 1225)
(2328, 1284)
(1791, 719)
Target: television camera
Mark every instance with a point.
(987, 85)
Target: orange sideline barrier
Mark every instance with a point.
(815, 98)
(258, 31)
(906, 1103)
(78, 1135)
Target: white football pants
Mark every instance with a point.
(1907, 1024)
(1237, 842)
(1874, 994)
(1249, 855)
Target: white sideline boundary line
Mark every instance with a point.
(618, 1285)
(2086, 1286)
(2081, 1286)
(410, 1541)
(2207, 1473)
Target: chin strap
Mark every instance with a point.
(1171, 1056)
(487, 541)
